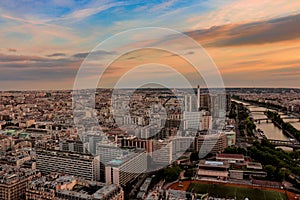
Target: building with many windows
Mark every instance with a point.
(121, 171)
(192, 120)
(13, 181)
(57, 186)
(5, 144)
(212, 143)
(77, 164)
(109, 151)
(74, 146)
(162, 152)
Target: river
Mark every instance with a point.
(270, 130)
(294, 122)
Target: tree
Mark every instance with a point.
(189, 173)
(270, 171)
(171, 174)
(194, 156)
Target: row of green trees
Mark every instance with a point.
(232, 113)
(264, 104)
(245, 122)
(275, 117)
(277, 163)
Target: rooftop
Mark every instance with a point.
(10, 174)
(213, 164)
(230, 156)
(67, 154)
(123, 159)
(78, 187)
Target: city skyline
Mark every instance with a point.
(253, 43)
(149, 100)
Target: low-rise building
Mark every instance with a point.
(213, 169)
(231, 158)
(5, 144)
(60, 187)
(13, 181)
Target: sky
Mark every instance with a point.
(253, 43)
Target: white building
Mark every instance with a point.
(192, 120)
(122, 170)
(182, 144)
(231, 137)
(76, 164)
(109, 151)
(162, 152)
(92, 139)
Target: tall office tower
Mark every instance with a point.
(206, 121)
(76, 164)
(198, 98)
(192, 120)
(92, 139)
(218, 105)
(190, 103)
(205, 102)
(187, 103)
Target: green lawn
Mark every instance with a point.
(231, 192)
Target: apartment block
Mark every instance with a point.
(77, 164)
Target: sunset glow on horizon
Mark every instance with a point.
(253, 43)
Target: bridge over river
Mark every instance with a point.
(285, 143)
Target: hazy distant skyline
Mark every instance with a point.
(254, 43)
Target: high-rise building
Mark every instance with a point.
(192, 120)
(76, 164)
(206, 122)
(213, 143)
(218, 105)
(198, 98)
(205, 102)
(190, 103)
(123, 170)
(109, 151)
(162, 152)
(92, 139)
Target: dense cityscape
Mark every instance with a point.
(149, 100)
(45, 156)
